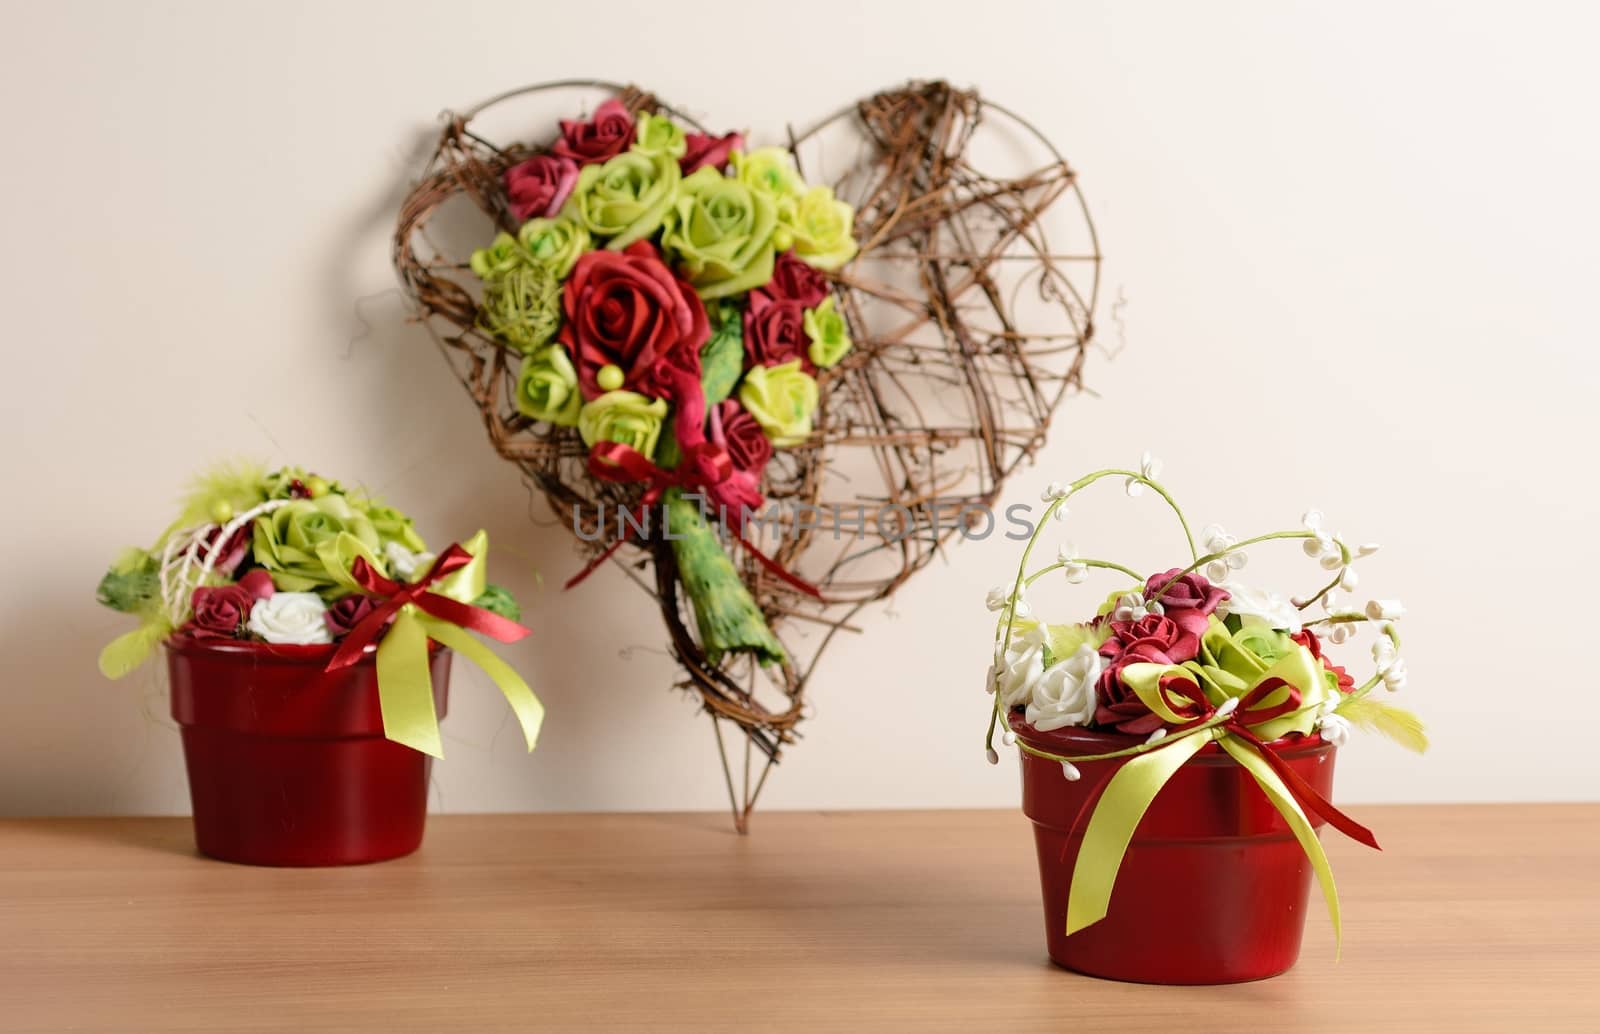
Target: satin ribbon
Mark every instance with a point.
(405, 683)
(1130, 791)
(704, 463)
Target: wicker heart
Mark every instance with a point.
(971, 323)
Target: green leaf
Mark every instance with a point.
(1388, 720)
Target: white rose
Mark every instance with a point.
(1276, 611)
(405, 564)
(1065, 693)
(1021, 668)
(290, 617)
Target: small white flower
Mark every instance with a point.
(1065, 692)
(1060, 513)
(406, 565)
(1394, 676)
(1348, 579)
(1213, 539)
(1384, 610)
(1383, 653)
(1150, 468)
(1367, 549)
(1070, 771)
(1227, 707)
(1339, 631)
(1053, 491)
(994, 758)
(290, 617)
(1322, 544)
(997, 598)
(1157, 736)
(1009, 738)
(1075, 571)
(1131, 606)
(1335, 729)
(1268, 607)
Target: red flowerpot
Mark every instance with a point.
(1213, 887)
(287, 763)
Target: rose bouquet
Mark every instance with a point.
(290, 559)
(666, 295)
(1190, 711)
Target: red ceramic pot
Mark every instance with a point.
(1214, 885)
(287, 763)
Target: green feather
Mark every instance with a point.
(1388, 720)
(727, 617)
(722, 356)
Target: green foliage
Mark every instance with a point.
(499, 600)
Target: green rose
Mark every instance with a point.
(721, 233)
(782, 399)
(547, 387)
(625, 198)
(523, 307)
(625, 417)
(1232, 664)
(820, 226)
(309, 544)
(769, 171)
(657, 134)
(553, 243)
(393, 526)
(830, 338)
(498, 259)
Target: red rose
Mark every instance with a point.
(708, 150)
(258, 583)
(232, 552)
(1189, 601)
(739, 432)
(539, 186)
(605, 136)
(1309, 640)
(626, 309)
(346, 612)
(775, 333)
(219, 612)
(1153, 639)
(794, 281)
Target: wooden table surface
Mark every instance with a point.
(1474, 918)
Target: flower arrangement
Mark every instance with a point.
(287, 560)
(1183, 658)
(667, 295)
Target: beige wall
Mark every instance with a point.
(1357, 249)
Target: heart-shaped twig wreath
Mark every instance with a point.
(969, 324)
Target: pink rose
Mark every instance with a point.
(708, 150)
(601, 138)
(539, 186)
(346, 612)
(1189, 601)
(793, 280)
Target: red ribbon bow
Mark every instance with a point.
(1187, 699)
(396, 595)
(704, 463)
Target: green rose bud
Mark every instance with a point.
(553, 243)
(830, 338)
(132, 583)
(657, 134)
(625, 417)
(782, 399)
(769, 171)
(393, 526)
(523, 307)
(626, 198)
(547, 388)
(821, 226)
(721, 234)
(499, 258)
(498, 600)
(309, 544)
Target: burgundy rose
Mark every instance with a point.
(539, 186)
(1189, 601)
(626, 309)
(739, 432)
(219, 612)
(1153, 639)
(793, 280)
(232, 552)
(708, 150)
(346, 612)
(605, 136)
(775, 333)
(258, 583)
